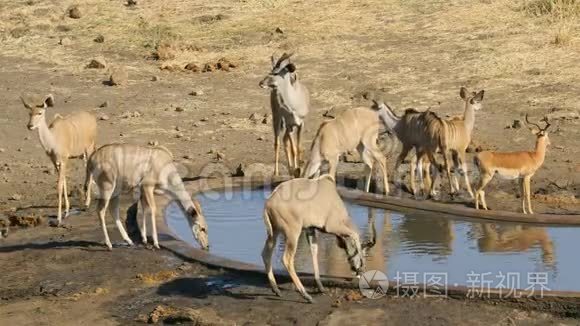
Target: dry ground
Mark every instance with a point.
(411, 53)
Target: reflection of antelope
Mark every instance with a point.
(118, 167)
(377, 253)
(290, 103)
(66, 137)
(516, 239)
(427, 235)
(354, 128)
(513, 165)
(309, 204)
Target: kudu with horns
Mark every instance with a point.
(290, 103)
(312, 205)
(513, 165)
(66, 137)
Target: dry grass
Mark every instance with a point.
(419, 50)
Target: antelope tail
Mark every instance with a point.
(267, 221)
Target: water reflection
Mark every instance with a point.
(495, 238)
(427, 235)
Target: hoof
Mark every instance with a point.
(308, 298)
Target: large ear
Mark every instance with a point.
(479, 96)
(291, 67)
(463, 92)
(26, 105)
(49, 100)
(273, 60)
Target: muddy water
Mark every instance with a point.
(408, 249)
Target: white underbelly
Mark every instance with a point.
(508, 174)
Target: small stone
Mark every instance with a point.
(266, 119)
(121, 135)
(208, 68)
(97, 63)
(517, 124)
(65, 41)
(131, 3)
(187, 157)
(19, 149)
(119, 77)
(2, 150)
(105, 104)
(153, 143)
(192, 66)
(204, 119)
(279, 30)
(220, 156)
(254, 117)
(179, 135)
(104, 117)
(19, 32)
(261, 138)
(177, 128)
(74, 12)
(179, 109)
(155, 78)
(196, 93)
(196, 124)
(26, 138)
(99, 39)
(15, 197)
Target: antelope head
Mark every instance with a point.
(282, 69)
(198, 225)
(472, 98)
(36, 109)
(540, 132)
(355, 252)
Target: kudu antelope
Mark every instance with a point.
(513, 165)
(457, 137)
(119, 167)
(356, 128)
(66, 137)
(417, 130)
(290, 103)
(312, 205)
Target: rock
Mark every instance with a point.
(19, 32)
(219, 156)
(65, 41)
(179, 109)
(330, 113)
(154, 78)
(261, 138)
(254, 170)
(563, 115)
(196, 93)
(25, 221)
(517, 124)
(266, 119)
(351, 157)
(15, 197)
(192, 66)
(105, 104)
(2, 150)
(97, 63)
(131, 114)
(179, 135)
(172, 315)
(99, 39)
(204, 119)
(164, 51)
(215, 170)
(153, 143)
(208, 67)
(104, 117)
(131, 3)
(254, 117)
(225, 65)
(74, 12)
(4, 228)
(279, 30)
(119, 77)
